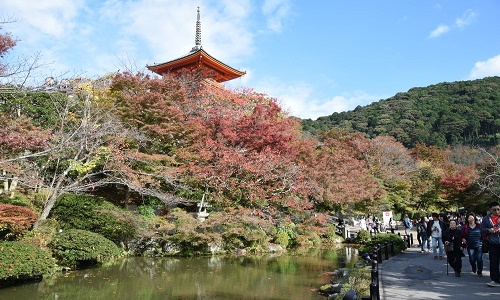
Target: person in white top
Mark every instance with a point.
(435, 229)
(362, 223)
(392, 225)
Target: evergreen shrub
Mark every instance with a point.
(74, 248)
(18, 199)
(282, 239)
(331, 237)
(285, 235)
(147, 212)
(43, 235)
(233, 229)
(381, 239)
(96, 215)
(362, 237)
(22, 261)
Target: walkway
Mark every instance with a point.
(415, 275)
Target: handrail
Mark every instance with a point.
(387, 248)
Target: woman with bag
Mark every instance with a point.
(454, 242)
(473, 237)
(490, 226)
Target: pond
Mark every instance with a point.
(288, 276)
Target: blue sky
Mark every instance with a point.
(315, 57)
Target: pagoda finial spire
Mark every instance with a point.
(197, 38)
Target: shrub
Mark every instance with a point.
(286, 235)
(16, 219)
(307, 236)
(18, 199)
(232, 229)
(43, 235)
(362, 237)
(147, 212)
(242, 230)
(282, 239)
(331, 237)
(75, 248)
(359, 280)
(21, 261)
(96, 215)
(381, 239)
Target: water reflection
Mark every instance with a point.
(290, 276)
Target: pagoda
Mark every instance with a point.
(198, 58)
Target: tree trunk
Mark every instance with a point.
(13, 186)
(5, 183)
(56, 191)
(46, 209)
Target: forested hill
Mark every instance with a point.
(449, 113)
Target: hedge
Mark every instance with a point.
(21, 261)
(75, 248)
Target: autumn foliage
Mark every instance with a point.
(6, 43)
(178, 138)
(19, 134)
(16, 219)
(337, 173)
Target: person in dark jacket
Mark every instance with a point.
(422, 225)
(454, 242)
(473, 237)
(490, 226)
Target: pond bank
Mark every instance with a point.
(285, 276)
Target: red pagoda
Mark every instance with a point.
(198, 58)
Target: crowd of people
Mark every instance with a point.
(371, 223)
(450, 235)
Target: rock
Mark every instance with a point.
(215, 248)
(329, 289)
(240, 251)
(152, 246)
(275, 248)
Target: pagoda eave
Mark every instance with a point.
(198, 59)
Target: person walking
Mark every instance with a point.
(408, 225)
(435, 229)
(419, 234)
(473, 237)
(455, 244)
(376, 225)
(422, 225)
(362, 223)
(369, 224)
(392, 225)
(489, 226)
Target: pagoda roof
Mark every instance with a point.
(198, 58)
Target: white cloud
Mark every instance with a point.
(468, 17)
(89, 33)
(490, 67)
(52, 18)
(169, 33)
(299, 99)
(276, 11)
(441, 29)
